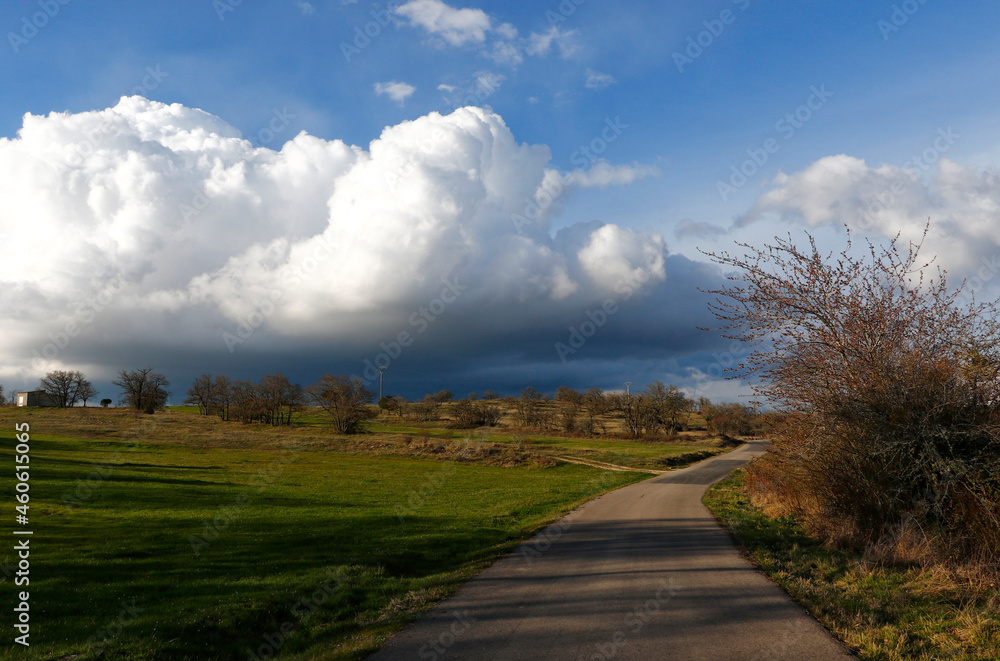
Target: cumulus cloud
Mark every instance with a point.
(395, 90)
(149, 230)
(307, 8)
(474, 28)
(457, 27)
(962, 204)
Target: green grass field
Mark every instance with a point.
(178, 536)
(883, 612)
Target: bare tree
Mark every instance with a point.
(345, 399)
(281, 399)
(892, 385)
(200, 394)
(221, 396)
(85, 390)
(143, 389)
(595, 404)
(527, 408)
(665, 405)
(65, 387)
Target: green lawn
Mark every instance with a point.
(883, 612)
(155, 549)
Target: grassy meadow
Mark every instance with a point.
(180, 536)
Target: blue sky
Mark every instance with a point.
(892, 76)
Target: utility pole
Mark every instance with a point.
(628, 395)
(381, 371)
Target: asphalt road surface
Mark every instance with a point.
(643, 572)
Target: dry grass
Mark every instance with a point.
(898, 600)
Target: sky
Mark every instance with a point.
(474, 195)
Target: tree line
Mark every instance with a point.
(274, 400)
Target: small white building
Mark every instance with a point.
(34, 398)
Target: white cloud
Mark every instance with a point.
(962, 204)
(507, 31)
(487, 83)
(599, 81)
(602, 174)
(199, 231)
(307, 8)
(505, 53)
(457, 27)
(450, 26)
(541, 44)
(395, 90)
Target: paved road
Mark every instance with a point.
(641, 573)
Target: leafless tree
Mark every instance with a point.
(143, 389)
(200, 394)
(85, 390)
(528, 408)
(664, 406)
(345, 399)
(65, 387)
(281, 399)
(595, 404)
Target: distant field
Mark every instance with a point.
(178, 536)
(398, 436)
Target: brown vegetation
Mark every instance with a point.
(891, 390)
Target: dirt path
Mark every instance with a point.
(606, 466)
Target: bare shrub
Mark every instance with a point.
(892, 387)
